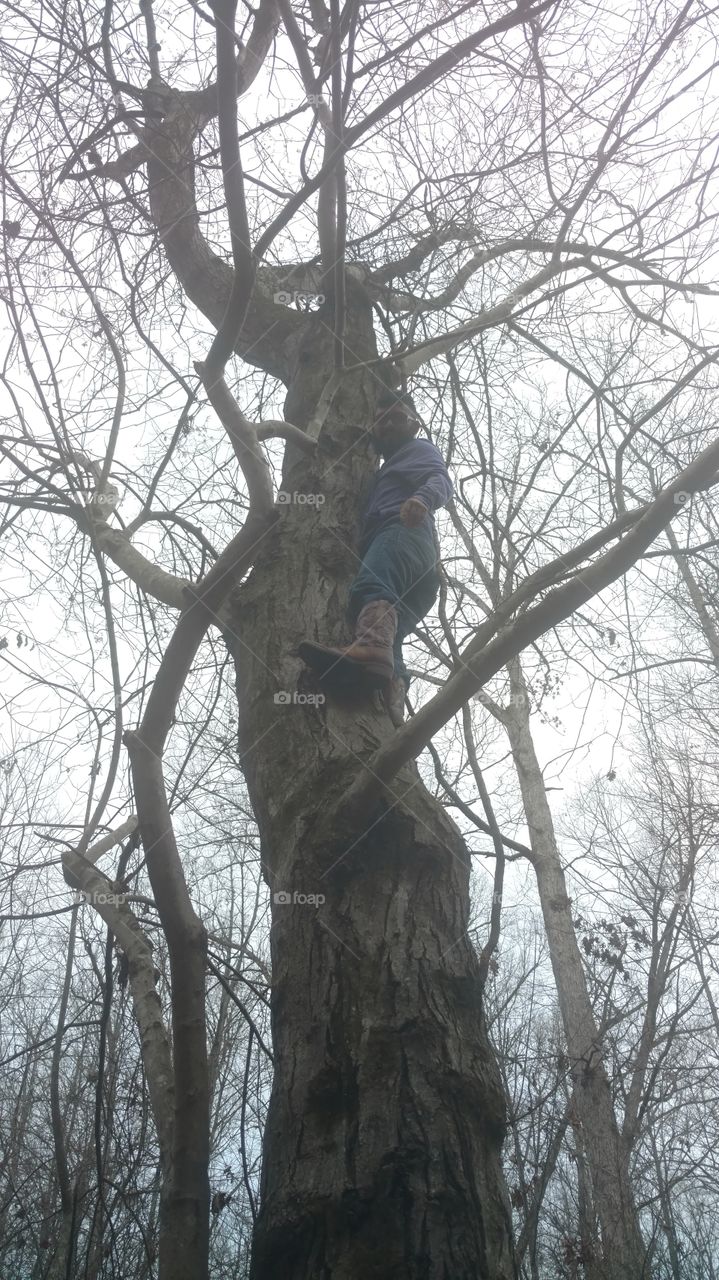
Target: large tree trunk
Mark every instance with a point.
(382, 1149)
(606, 1153)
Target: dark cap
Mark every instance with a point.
(391, 399)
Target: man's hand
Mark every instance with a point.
(412, 513)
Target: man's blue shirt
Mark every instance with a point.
(416, 470)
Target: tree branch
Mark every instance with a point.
(102, 894)
(416, 84)
(243, 281)
(499, 639)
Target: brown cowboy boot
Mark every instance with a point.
(368, 660)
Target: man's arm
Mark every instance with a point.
(433, 485)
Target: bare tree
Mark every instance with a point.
(179, 238)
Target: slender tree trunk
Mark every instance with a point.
(591, 1252)
(667, 1216)
(528, 1237)
(63, 1259)
(606, 1153)
(383, 1139)
(185, 1203)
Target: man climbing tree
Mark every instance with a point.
(398, 579)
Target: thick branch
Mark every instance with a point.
(243, 280)
(207, 279)
(410, 361)
(706, 622)
(188, 1192)
(275, 429)
(112, 838)
(111, 905)
(157, 582)
(481, 258)
(243, 438)
(485, 656)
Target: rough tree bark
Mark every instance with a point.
(382, 1150)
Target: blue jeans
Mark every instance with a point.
(400, 565)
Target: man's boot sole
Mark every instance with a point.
(335, 671)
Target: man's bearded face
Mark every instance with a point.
(391, 428)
